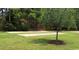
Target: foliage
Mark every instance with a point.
(39, 18)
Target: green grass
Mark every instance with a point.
(9, 41)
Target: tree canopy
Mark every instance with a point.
(22, 19)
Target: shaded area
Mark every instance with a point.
(40, 41)
(57, 42)
(46, 41)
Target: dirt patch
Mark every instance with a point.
(56, 42)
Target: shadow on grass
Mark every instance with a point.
(40, 41)
(48, 41)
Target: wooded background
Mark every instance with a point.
(25, 19)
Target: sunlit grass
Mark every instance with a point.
(9, 41)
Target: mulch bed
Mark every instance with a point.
(56, 42)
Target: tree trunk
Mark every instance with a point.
(9, 15)
(2, 19)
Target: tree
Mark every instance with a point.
(69, 19)
(3, 12)
(77, 18)
(56, 18)
(34, 18)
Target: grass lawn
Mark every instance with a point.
(12, 41)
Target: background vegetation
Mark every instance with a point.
(22, 19)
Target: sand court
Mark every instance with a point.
(42, 34)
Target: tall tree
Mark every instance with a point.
(59, 17)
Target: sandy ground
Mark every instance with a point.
(35, 33)
(42, 34)
(27, 31)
